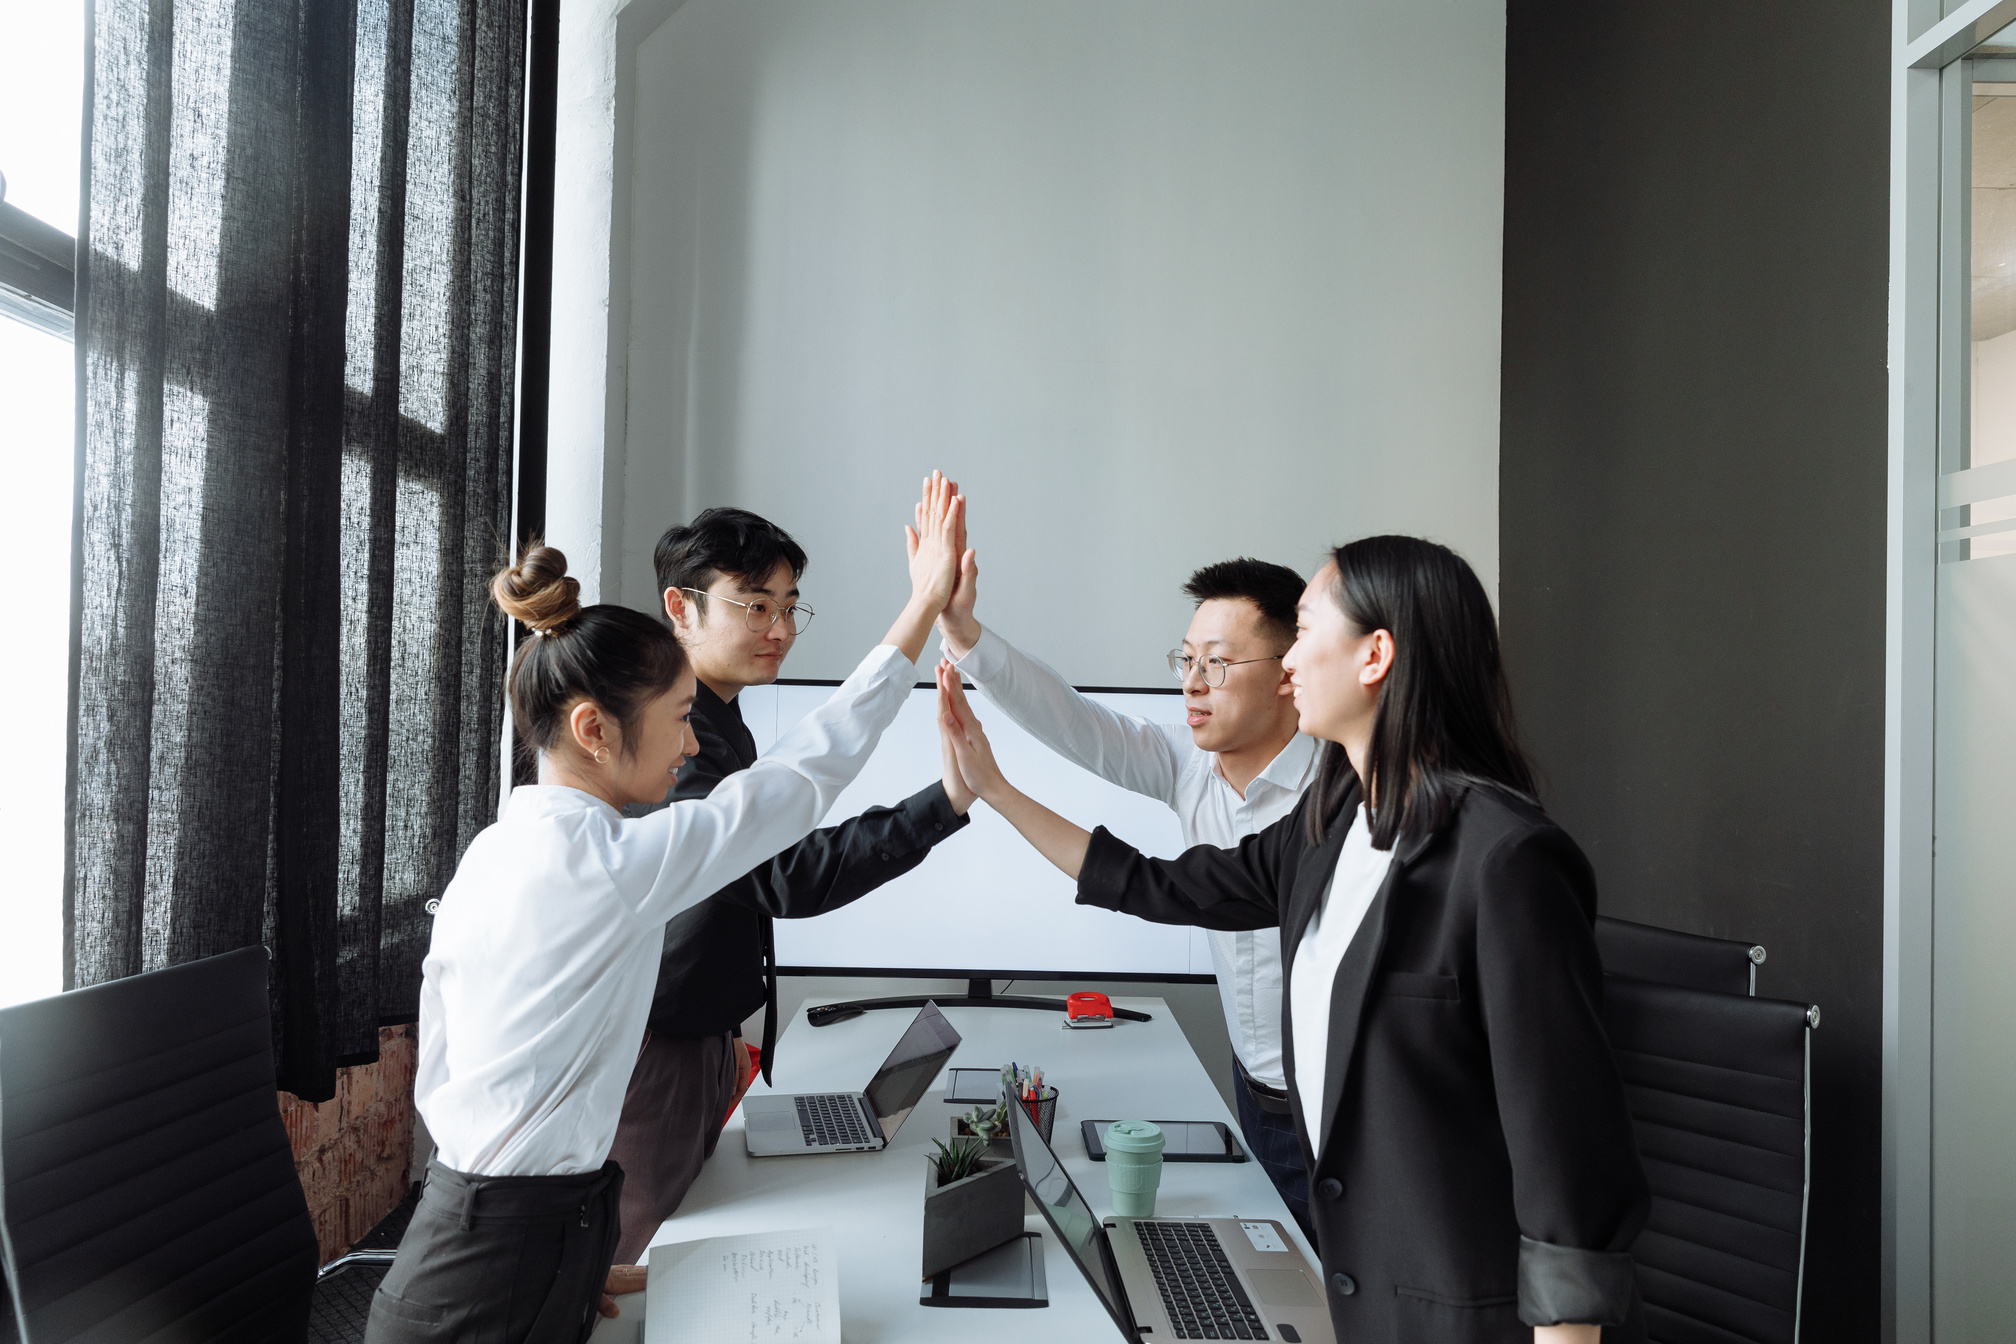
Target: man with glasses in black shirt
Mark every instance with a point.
(729, 582)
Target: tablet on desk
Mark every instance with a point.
(972, 1087)
(1183, 1141)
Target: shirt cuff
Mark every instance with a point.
(1102, 877)
(1564, 1285)
(986, 660)
(880, 657)
(929, 817)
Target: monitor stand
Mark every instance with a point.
(979, 994)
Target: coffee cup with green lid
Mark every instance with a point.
(1133, 1166)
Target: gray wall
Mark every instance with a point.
(1159, 281)
(1692, 488)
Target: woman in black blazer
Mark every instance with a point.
(1474, 1175)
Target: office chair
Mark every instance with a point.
(147, 1190)
(1669, 957)
(1718, 1086)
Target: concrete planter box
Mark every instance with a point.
(972, 1216)
(999, 1146)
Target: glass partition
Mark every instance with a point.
(1974, 776)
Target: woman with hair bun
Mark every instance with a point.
(545, 947)
(1473, 1173)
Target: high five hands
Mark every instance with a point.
(970, 755)
(934, 545)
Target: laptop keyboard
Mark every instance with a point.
(1199, 1291)
(830, 1118)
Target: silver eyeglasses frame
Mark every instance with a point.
(1180, 663)
(796, 616)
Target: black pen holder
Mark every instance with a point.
(1042, 1112)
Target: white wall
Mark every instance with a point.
(1160, 281)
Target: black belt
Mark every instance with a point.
(1272, 1100)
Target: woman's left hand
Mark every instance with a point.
(964, 740)
(957, 793)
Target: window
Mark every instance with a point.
(41, 123)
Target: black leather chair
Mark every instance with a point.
(147, 1191)
(1719, 1096)
(1669, 957)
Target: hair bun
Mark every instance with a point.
(537, 590)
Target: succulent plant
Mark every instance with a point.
(987, 1121)
(957, 1162)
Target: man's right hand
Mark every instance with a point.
(956, 623)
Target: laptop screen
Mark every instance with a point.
(907, 1074)
(1069, 1216)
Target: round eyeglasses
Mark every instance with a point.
(1212, 668)
(759, 616)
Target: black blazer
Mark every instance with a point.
(718, 964)
(1475, 1172)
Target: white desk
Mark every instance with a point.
(1137, 1071)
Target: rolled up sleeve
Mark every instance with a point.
(1566, 1285)
(1579, 1189)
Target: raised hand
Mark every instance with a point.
(962, 736)
(933, 545)
(961, 797)
(936, 541)
(956, 623)
(1061, 841)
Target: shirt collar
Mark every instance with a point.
(549, 800)
(707, 703)
(1290, 767)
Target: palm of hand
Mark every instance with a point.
(963, 737)
(937, 539)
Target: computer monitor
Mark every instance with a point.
(907, 1074)
(1069, 1216)
(985, 904)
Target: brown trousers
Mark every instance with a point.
(672, 1117)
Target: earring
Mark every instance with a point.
(601, 755)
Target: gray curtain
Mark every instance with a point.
(295, 342)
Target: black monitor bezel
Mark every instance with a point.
(995, 972)
(1018, 1123)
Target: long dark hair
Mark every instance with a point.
(618, 658)
(1444, 721)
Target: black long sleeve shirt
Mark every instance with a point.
(712, 974)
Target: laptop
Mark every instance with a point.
(1178, 1278)
(778, 1124)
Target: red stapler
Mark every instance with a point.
(1086, 1009)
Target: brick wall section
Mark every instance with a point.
(353, 1151)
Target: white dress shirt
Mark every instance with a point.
(545, 949)
(1360, 870)
(1161, 760)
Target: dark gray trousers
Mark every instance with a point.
(673, 1111)
(501, 1260)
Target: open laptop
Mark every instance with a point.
(1178, 1278)
(777, 1124)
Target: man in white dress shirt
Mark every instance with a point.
(1235, 767)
